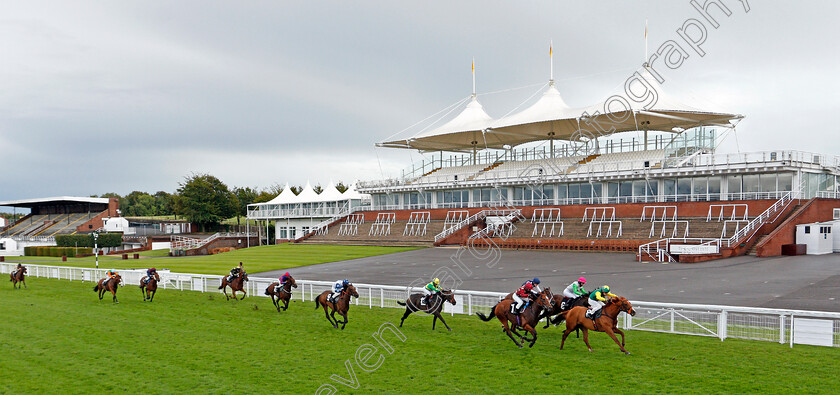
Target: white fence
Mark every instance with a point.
(782, 326)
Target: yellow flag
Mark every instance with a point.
(473, 66)
(549, 50)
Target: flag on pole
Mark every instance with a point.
(473, 66)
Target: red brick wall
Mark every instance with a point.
(816, 210)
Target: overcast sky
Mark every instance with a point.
(100, 97)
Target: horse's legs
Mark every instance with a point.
(224, 289)
(285, 303)
(434, 321)
(331, 317)
(441, 320)
(507, 330)
(620, 332)
(529, 328)
(152, 297)
(407, 313)
(586, 338)
(612, 335)
(244, 294)
(114, 292)
(566, 333)
(344, 314)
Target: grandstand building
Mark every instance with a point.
(297, 215)
(642, 176)
(49, 217)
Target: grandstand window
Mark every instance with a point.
(714, 188)
(596, 190)
(640, 190)
(574, 191)
(670, 190)
(733, 184)
(282, 233)
(751, 186)
(767, 182)
(785, 181)
(826, 183)
(700, 190)
(612, 192)
(683, 189)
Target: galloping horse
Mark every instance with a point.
(18, 276)
(576, 318)
(149, 288)
(110, 286)
(284, 293)
(434, 307)
(238, 284)
(560, 306)
(526, 320)
(341, 305)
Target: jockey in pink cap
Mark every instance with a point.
(575, 289)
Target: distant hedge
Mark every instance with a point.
(104, 240)
(57, 251)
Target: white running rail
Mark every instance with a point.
(776, 325)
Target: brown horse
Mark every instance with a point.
(526, 320)
(149, 288)
(238, 284)
(607, 322)
(434, 307)
(110, 286)
(558, 307)
(341, 305)
(284, 293)
(18, 276)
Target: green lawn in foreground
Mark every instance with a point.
(255, 259)
(57, 337)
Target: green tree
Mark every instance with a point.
(244, 197)
(164, 203)
(341, 187)
(205, 200)
(139, 204)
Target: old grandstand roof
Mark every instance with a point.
(551, 118)
(59, 200)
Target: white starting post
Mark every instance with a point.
(96, 248)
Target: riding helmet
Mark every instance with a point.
(536, 280)
(582, 280)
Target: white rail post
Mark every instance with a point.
(672, 320)
(469, 304)
(382, 297)
(722, 324)
(791, 330)
(370, 298)
(781, 329)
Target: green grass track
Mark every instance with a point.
(57, 337)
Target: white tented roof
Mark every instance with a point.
(460, 133)
(307, 195)
(286, 196)
(551, 118)
(330, 194)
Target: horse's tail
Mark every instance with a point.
(559, 318)
(487, 318)
(96, 288)
(266, 291)
(317, 302)
(401, 303)
(223, 284)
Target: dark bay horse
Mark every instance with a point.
(148, 289)
(18, 276)
(284, 293)
(526, 320)
(561, 305)
(110, 286)
(607, 322)
(238, 284)
(341, 305)
(434, 307)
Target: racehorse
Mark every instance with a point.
(560, 306)
(18, 276)
(238, 284)
(284, 293)
(527, 319)
(150, 287)
(110, 286)
(341, 305)
(434, 307)
(606, 322)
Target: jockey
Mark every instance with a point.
(534, 283)
(149, 273)
(430, 289)
(111, 273)
(575, 289)
(282, 279)
(235, 272)
(525, 291)
(17, 269)
(597, 299)
(338, 287)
